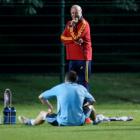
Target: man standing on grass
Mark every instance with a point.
(70, 99)
(76, 38)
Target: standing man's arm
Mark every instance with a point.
(87, 44)
(65, 36)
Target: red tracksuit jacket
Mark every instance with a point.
(69, 36)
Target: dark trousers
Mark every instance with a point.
(83, 70)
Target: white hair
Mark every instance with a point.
(77, 7)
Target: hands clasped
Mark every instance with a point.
(80, 41)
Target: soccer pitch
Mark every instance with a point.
(129, 130)
(116, 95)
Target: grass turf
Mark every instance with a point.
(104, 131)
(106, 87)
(116, 94)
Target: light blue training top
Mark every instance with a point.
(70, 98)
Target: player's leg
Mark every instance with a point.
(90, 112)
(38, 120)
(84, 73)
(79, 67)
(87, 112)
(93, 113)
(87, 73)
(72, 66)
(52, 119)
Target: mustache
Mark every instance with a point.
(74, 22)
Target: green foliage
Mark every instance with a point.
(126, 5)
(6, 1)
(30, 6)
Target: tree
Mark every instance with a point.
(29, 6)
(126, 4)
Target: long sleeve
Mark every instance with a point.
(65, 36)
(70, 37)
(87, 46)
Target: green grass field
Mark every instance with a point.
(116, 95)
(108, 130)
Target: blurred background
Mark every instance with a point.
(30, 44)
(32, 60)
(30, 34)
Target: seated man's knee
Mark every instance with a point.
(91, 107)
(43, 114)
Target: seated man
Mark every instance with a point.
(70, 99)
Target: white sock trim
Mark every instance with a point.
(32, 122)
